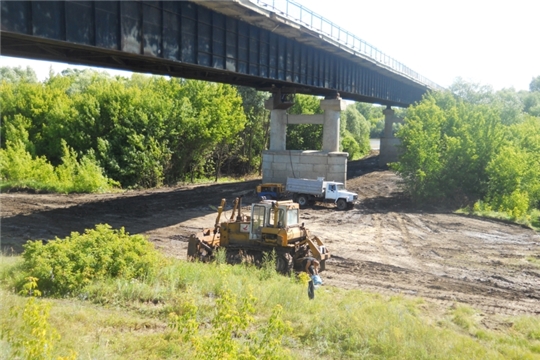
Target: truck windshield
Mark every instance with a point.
(340, 187)
(292, 217)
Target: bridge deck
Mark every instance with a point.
(233, 42)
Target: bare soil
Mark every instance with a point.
(384, 244)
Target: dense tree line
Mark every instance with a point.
(147, 131)
(472, 145)
(143, 131)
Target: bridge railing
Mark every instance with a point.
(306, 17)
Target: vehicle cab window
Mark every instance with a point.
(281, 215)
(258, 219)
(292, 217)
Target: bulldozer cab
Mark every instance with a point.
(272, 214)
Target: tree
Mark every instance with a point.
(79, 80)
(48, 109)
(472, 92)
(447, 144)
(305, 136)
(514, 172)
(510, 105)
(253, 139)
(531, 103)
(534, 86)
(375, 117)
(354, 132)
(18, 74)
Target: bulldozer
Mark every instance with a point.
(271, 226)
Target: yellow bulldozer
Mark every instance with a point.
(271, 226)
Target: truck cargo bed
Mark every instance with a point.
(305, 186)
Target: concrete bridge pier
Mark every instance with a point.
(389, 143)
(332, 118)
(328, 162)
(278, 129)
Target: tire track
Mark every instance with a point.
(392, 280)
(413, 250)
(377, 223)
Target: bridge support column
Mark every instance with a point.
(278, 122)
(332, 115)
(389, 143)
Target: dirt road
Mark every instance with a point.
(385, 244)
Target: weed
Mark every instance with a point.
(268, 266)
(35, 339)
(220, 256)
(270, 344)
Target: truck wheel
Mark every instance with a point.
(303, 200)
(341, 204)
(284, 263)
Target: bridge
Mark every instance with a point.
(243, 42)
(281, 49)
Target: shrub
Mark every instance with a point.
(66, 266)
(350, 146)
(18, 169)
(81, 176)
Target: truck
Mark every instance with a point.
(272, 226)
(307, 191)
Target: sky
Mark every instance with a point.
(486, 42)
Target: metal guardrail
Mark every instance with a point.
(315, 22)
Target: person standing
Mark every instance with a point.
(311, 265)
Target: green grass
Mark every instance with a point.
(531, 220)
(121, 319)
(535, 219)
(211, 180)
(534, 260)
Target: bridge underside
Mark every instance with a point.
(185, 39)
